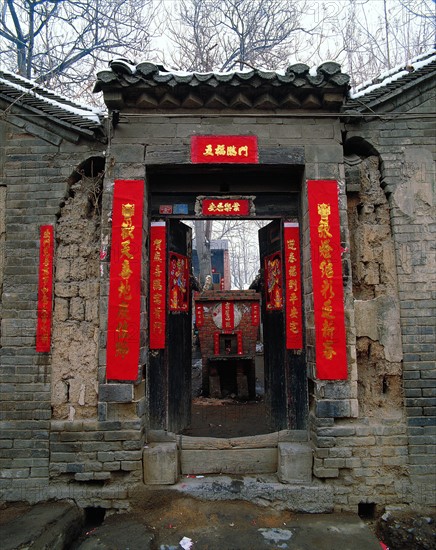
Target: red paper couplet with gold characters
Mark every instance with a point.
(294, 316)
(225, 207)
(157, 285)
(199, 315)
(179, 294)
(122, 355)
(255, 315)
(224, 149)
(45, 289)
(273, 282)
(328, 296)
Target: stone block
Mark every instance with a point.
(161, 464)
(294, 463)
(116, 393)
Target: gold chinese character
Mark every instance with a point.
(231, 151)
(220, 207)
(208, 152)
(211, 207)
(122, 329)
(326, 268)
(328, 329)
(327, 310)
(293, 313)
(328, 350)
(292, 271)
(227, 207)
(157, 257)
(125, 270)
(243, 151)
(127, 229)
(157, 284)
(323, 226)
(125, 249)
(291, 258)
(327, 289)
(123, 311)
(292, 284)
(293, 327)
(124, 290)
(121, 348)
(293, 298)
(220, 150)
(236, 207)
(291, 244)
(325, 249)
(157, 244)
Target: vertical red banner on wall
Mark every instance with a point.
(328, 295)
(255, 315)
(122, 354)
(228, 316)
(157, 285)
(199, 315)
(294, 315)
(45, 289)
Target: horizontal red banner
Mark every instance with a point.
(328, 295)
(225, 207)
(45, 289)
(224, 149)
(122, 355)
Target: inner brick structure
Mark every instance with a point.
(347, 297)
(228, 326)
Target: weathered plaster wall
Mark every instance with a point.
(76, 301)
(407, 151)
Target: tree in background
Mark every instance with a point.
(230, 35)
(366, 37)
(62, 43)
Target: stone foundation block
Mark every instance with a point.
(295, 463)
(161, 464)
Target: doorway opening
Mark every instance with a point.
(226, 370)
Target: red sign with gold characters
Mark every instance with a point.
(225, 207)
(224, 149)
(122, 354)
(325, 240)
(255, 315)
(179, 283)
(199, 315)
(273, 282)
(45, 289)
(294, 316)
(228, 315)
(157, 285)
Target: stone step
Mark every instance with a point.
(265, 490)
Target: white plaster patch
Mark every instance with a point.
(276, 536)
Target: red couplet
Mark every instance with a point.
(45, 289)
(294, 316)
(122, 354)
(157, 285)
(328, 296)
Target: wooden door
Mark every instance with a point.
(179, 325)
(285, 370)
(169, 371)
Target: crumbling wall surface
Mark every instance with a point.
(76, 298)
(375, 291)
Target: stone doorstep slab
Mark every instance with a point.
(163, 461)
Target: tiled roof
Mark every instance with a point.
(149, 86)
(37, 101)
(373, 93)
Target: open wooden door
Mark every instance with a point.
(169, 372)
(285, 372)
(179, 326)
